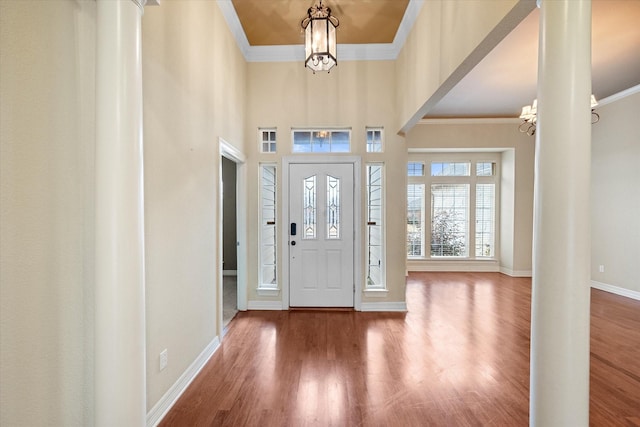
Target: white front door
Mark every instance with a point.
(321, 235)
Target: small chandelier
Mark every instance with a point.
(320, 38)
(529, 113)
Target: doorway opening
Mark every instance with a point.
(229, 242)
(231, 263)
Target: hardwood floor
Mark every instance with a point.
(459, 357)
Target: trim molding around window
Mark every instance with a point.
(375, 238)
(321, 141)
(452, 210)
(268, 233)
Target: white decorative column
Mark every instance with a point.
(120, 377)
(561, 241)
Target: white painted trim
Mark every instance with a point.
(471, 121)
(229, 272)
(618, 96)
(453, 265)
(346, 52)
(356, 161)
(232, 153)
(384, 306)
(616, 290)
(458, 150)
(515, 273)
(229, 13)
(160, 409)
(267, 292)
(376, 293)
(266, 305)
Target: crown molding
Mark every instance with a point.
(618, 96)
(470, 121)
(346, 52)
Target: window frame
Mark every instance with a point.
(382, 245)
(261, 141)
(263, 287)
(311, 131)
(366, 142)
(473, 158)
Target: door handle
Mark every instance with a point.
(293, 228)
(293, 243)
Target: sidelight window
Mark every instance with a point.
(268, 240)
(375, 239)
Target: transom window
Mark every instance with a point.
(415, 169)
(267, 138)
(374, 140)
(453, 208)
(322, 141)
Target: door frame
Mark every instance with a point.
(232, 153)
(357, 220)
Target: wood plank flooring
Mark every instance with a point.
(459, 357)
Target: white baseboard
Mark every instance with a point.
(454, 265)
(384, 306)
(516, 273)
(264, 305)
(616, 290)
(229, 272)
(160, 409)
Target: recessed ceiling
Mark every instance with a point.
(277, 22)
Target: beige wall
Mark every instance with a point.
(615, 195)
(355, 94)
(47, 121)
(194, 93)
(447, 40)
(516, 193)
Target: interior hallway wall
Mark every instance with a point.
(194, 94)
(47, 129)
(615, 195)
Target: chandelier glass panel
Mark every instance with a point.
(320, 38)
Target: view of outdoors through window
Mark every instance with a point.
(461, 211)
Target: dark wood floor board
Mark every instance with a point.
(459, 356)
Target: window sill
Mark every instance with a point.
(451, 259)
(268, 292)
(376, 292)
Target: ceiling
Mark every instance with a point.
(500, 84)
(277, 22)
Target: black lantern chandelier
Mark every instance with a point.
(320, 38)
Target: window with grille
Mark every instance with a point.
(460, 220)
(321, 141)
(415, 220)
(267, 139)
(415, 169)
(374, 140)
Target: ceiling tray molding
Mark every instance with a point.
(346, 52)
(469, 121)
(618, 96)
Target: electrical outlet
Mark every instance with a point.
(164, 359)
(601, 268)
